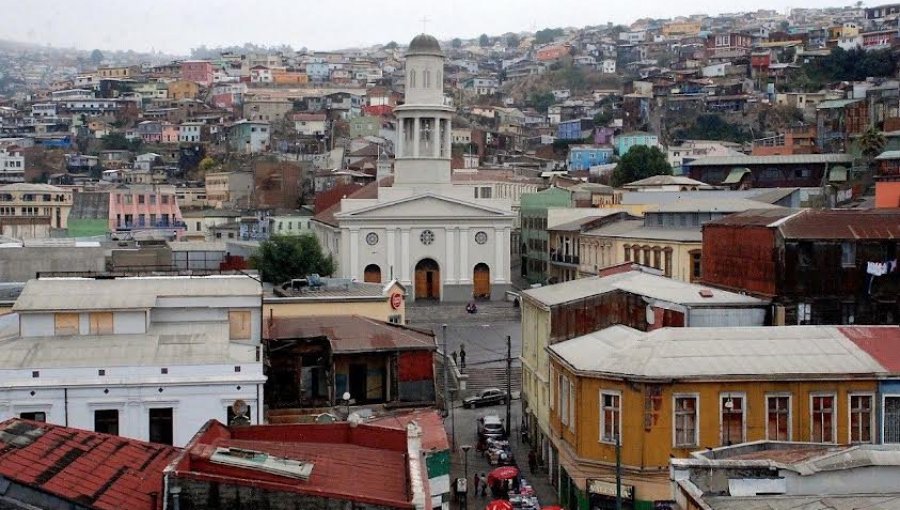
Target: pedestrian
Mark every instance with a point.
(462, 356)
(532, 461)
(483, 485)
(476, 482)
(454, 357)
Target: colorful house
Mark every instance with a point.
(625, 142)
(666, 393)
(583, 157)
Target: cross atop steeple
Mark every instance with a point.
(424, 21)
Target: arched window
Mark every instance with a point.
(426, 79)
(412, 78)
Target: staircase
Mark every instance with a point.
(494, 377)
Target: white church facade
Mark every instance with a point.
(439, 239)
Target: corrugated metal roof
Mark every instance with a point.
(804, 351)
(888, 155)
(726, 205)
(881, 344)
(351, 333)
(667, 197)
(665, 180)
(843, 224)
(795, 159)
(640, 283)
(127, 293)
(686, 235)
(827, 502)
(735, 175)
(88, 469)
(197, 245)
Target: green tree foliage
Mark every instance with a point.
(541, 101)
(712, 126)
(842, 65)
(639, 163)
(96, 57)
(512, 41)
(118, 142)
(207, 163)
(603, 118)
(282, 258)
(456, 42)
(391, 45)
(547, 35)
(871, 143)
(484, 41)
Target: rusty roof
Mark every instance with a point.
(351, 333)
(842, 224)
(89, 469)
(753, 218)
(368, 191)
(883, 344)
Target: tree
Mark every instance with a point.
(639, 163)
(391, 45)
(871, 143)
(207, 163)
(115, 142)
(711, 126)
(96, 57)
(603, 118)
(541, 101)
(547, 35)
(484, 41)
(283, 258)
(456, 42)
(512, 41)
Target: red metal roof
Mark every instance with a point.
(880, 342)
(434, 436)
(350, 333)
(364, 463)
(843, 224)
(753, 218)
(94, 470)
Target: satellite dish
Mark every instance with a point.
(240, 407)
(651, 317)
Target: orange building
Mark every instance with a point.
(283, 77)
(887, 180)
(550, 53)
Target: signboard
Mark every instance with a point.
(396, 300)
(461, 485)
(604, 488)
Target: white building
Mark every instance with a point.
(189, 131)
(151, 358)
(437, 238)
(608, 66)
(12, 165)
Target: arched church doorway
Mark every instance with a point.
(428, 280)
(481, 281)
(372, 274)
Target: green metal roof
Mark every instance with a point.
(735, 175)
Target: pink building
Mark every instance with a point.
(197, 71)
(145, 208)
(169, 133)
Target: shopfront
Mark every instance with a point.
(602, 495)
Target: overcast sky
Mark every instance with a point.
(175, 26)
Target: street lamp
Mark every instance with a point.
(729, 405)
(465, 449)
(346, 396)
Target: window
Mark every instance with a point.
(822, 409)
(696, 265)
(66, 324)
(572, 405)
(732, 419)
(564, 399)
(804, 313)
(239, 324)
(891, 419)
(34, 416)
(861, 416)
(141, 199)
(230, 414)
(610, 416)
(152, 199)
(848, 254)
(161, 421)
(101, 323)
(106, 421)
(685, 425)
(164, 199)
(778, 418)
(128, 199)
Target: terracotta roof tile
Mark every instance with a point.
(368, 192)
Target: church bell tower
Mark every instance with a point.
(424, 121)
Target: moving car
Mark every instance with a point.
(485, 397)
(491, 426)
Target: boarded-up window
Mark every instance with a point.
(101, 323)
(239, 325)
(66, 324)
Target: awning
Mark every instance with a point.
(735, 175)
(837, 174)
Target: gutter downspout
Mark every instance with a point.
(66, 405)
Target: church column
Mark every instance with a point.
(392, 254)
(448, 138)
(354, 253)
(436, 138)
(404, 254)
(451, 274)
(399, 151)
(499, 243)
(416, 126)
(465, 273)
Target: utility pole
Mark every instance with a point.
(508, 383)
(618, 470)
(448, 401)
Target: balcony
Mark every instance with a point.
(564, 260)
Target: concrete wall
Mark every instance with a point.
(20, 264)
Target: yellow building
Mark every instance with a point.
(384, 302)
(671, 391)
(183, 89)
(681, 28)
(627, 295)
(118, 72)
(31, 210)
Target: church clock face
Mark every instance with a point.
(372, 239)
(427, 237)
(481, 237)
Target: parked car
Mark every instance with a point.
(491, 426)
(485, 397)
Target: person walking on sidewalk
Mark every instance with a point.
(476, 483)
(462, 356)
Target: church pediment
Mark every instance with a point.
(425, 206)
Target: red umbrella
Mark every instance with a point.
(499, 504)
(502, 473)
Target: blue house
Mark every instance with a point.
(576, 129)
(626, 141)
(582, 157)
(318, 71)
